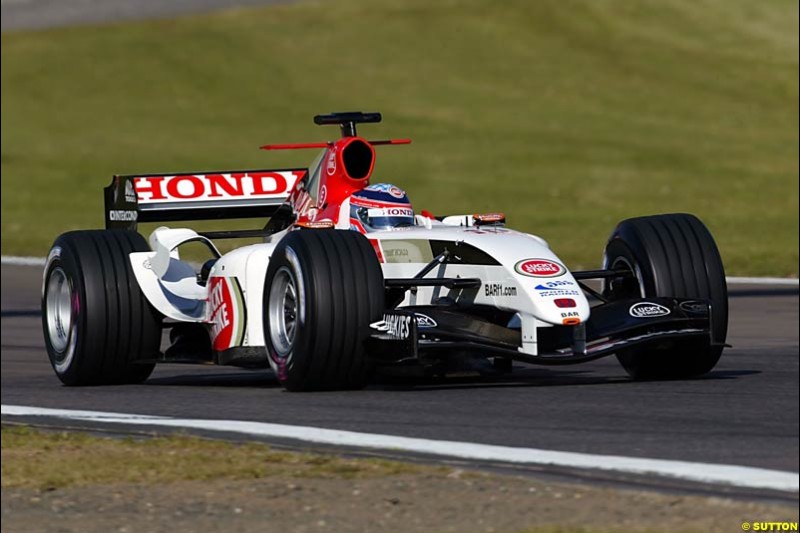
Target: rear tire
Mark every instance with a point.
(672, 255)
(323, 289)
(97, 323)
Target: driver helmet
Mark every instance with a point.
(380, 206)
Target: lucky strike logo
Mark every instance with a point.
(539, 268)
(221, 305)
(648, 310)
(219, 187)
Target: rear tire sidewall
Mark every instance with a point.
(63, 361)
(111, 329)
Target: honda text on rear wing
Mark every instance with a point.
(227, 194)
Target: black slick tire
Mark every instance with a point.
(322, 291)
(97, 323)
(672, 255)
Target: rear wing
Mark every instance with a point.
(197, 196)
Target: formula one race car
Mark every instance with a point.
(349, 278)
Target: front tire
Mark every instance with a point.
(323, 289)
(97, 323)
(672, 255)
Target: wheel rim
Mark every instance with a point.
(631, 287)
(283, 311)
(60, 319)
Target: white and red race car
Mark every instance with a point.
(349, 278)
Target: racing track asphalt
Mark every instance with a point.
(744, 413)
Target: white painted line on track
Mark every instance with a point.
(739, 476)
(734, 280)
(793, 282)
(22, 261)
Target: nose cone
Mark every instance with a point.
(557, 298)
(546, 284)
(560, 301)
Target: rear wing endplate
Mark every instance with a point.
(197, 196)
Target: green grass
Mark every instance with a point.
(569, 116)
(56, 459)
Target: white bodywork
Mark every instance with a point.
(527, 280)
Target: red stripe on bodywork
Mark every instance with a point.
(376, 244)
(355, 222)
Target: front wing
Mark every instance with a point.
(420, 333)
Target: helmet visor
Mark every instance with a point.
(388, 217)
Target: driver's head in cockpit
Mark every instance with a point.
(379, 207)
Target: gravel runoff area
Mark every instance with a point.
(70, 481)
(456, 501)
